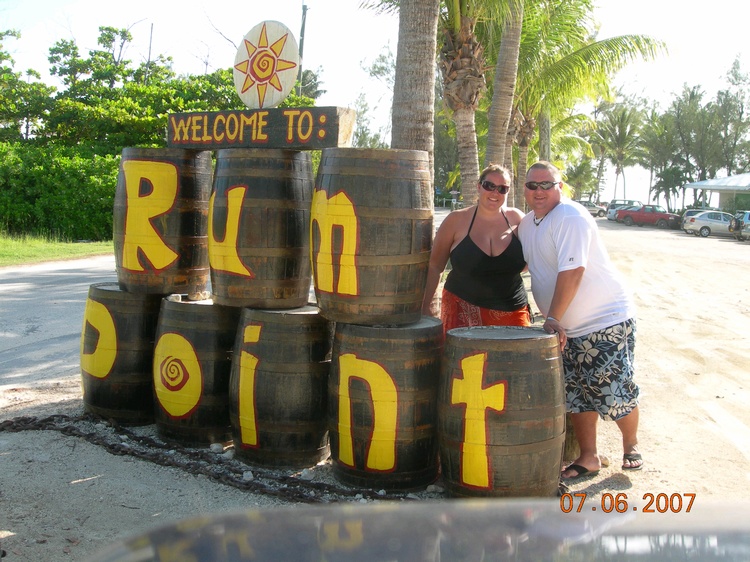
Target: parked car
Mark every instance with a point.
(740, 225)
(686, 215)
(706, 223)
(593, 208)
(648, 214)
(622, 203)
(611, 213)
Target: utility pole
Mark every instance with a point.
(148, 63)
(301, 46)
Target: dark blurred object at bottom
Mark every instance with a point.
(608, 527)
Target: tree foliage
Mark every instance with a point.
(57, 191)
(693, 139)
(60, 149)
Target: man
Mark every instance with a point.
(584, 300)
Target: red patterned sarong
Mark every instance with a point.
(457, 313)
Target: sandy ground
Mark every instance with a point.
(65, 498)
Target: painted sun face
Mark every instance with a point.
(264, 66)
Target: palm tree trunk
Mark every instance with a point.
(462, 67)
(545, 135)
(600, 177)
(504, 85)
(468, 157)
(510, 140)
(412, 118)
(525, 136)
(617, 178)
(523, 160)
(519, 175)
(651, 179)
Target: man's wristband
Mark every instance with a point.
(551, 318)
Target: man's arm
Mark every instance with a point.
(566, 287)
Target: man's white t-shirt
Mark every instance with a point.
(568, 238)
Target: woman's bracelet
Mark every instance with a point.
(551, 318)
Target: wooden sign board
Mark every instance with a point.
(301, 128)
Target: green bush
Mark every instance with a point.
(62, 192)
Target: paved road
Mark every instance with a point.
(41, 314)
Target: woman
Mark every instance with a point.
(484, 286)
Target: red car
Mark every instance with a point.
(648, 214)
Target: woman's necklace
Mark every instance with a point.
(537, 222)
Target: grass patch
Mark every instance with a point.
(21, 250)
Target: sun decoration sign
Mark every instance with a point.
(266, 65)
(265, 71)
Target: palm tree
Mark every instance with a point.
(559, 64)
(413, 113)
(619, 134)
(461, 61)
(696, 128)
(657, 150)
(582, 176)
(668, 182)
(413, 110)
(461, 64)
(309, 84)
(504, 86)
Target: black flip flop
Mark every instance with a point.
(632, 457)
(582, 471)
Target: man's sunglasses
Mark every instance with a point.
(545, 185)
(489, 186)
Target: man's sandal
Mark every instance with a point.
(632, 457)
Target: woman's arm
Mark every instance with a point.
(441, 249)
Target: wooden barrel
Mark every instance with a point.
(382, 402)
(117, 351)
(259, 242)
(501, 412)
(191, 369)
(371, 232)
(161, 220)
(278, 385)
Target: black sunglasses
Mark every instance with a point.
(545, 185)
(489, 186)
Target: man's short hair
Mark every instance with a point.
(548, 166)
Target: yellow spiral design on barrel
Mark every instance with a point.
(177, 374)
(173, 373)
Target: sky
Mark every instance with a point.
(703, 39)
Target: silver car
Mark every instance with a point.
(740, 227)
(709, 222)
(690, 213)
(593, 208)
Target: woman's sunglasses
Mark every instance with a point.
(489, 186)
(545, 185)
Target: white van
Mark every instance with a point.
(615, 204)
(622, 203)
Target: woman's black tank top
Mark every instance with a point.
(492, 282)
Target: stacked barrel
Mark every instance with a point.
(260, 262)
(371, 233)
(160, 218)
